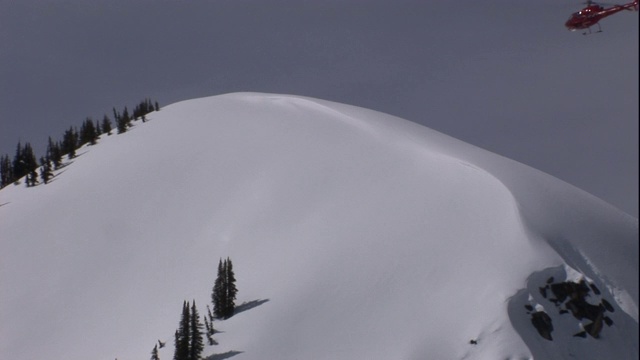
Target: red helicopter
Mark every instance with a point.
(593, 13)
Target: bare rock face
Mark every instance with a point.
(542, 322)
(571, 297)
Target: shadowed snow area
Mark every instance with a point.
(354, 235)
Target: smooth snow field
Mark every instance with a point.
(353, 234)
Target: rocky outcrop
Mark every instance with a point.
(542, 322)
(571, 297)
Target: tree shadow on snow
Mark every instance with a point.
(223, 356)
(249, 305)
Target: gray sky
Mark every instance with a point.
(503, 75)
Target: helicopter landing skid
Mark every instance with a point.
(589, 33)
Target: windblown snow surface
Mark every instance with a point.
(354, 235)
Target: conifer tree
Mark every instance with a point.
(230, 280)
(54, 153)
(126, 117)
(32, 178)
(70, 142)
(106, 125)
(182, 340)
(121, 122)
(224, 290)
(18, 163)
(154, 353)
(29, 157)
(6, 171)
(217, 296)
(177, 343)
(208, 323)
(121, 125)
(98, 129)
(45, 170)
(142, 109)
(184, 330)
(116, 115)
(195, 332)
(25, 164)
(88, 133)
(233, 291)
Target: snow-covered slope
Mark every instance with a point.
(354, 235)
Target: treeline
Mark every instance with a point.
(25, 162)
(190, 335)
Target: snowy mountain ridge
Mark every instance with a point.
(357, 235)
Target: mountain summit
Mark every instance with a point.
(354, 234)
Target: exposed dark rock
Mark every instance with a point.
(595, 327)
(560, 291)
(582, 289)
(582, 334)
(571, 290)
(473, 342)
(608, 321)
(583, 310)
(607, 305)
(542, 322)
(543, 291)
(571, 297)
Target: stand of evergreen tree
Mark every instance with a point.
(25, 161)
(189, 342)
(25, 164)
(143, 108)
(6, 171)
(224, 291)
(89, 133)
(32, 178)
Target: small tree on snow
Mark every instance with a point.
(45, 170)
(182, 338)
(224, 290)
(195, 329)
(208, 324)
(154, 353)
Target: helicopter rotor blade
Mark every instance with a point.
(590, 2)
